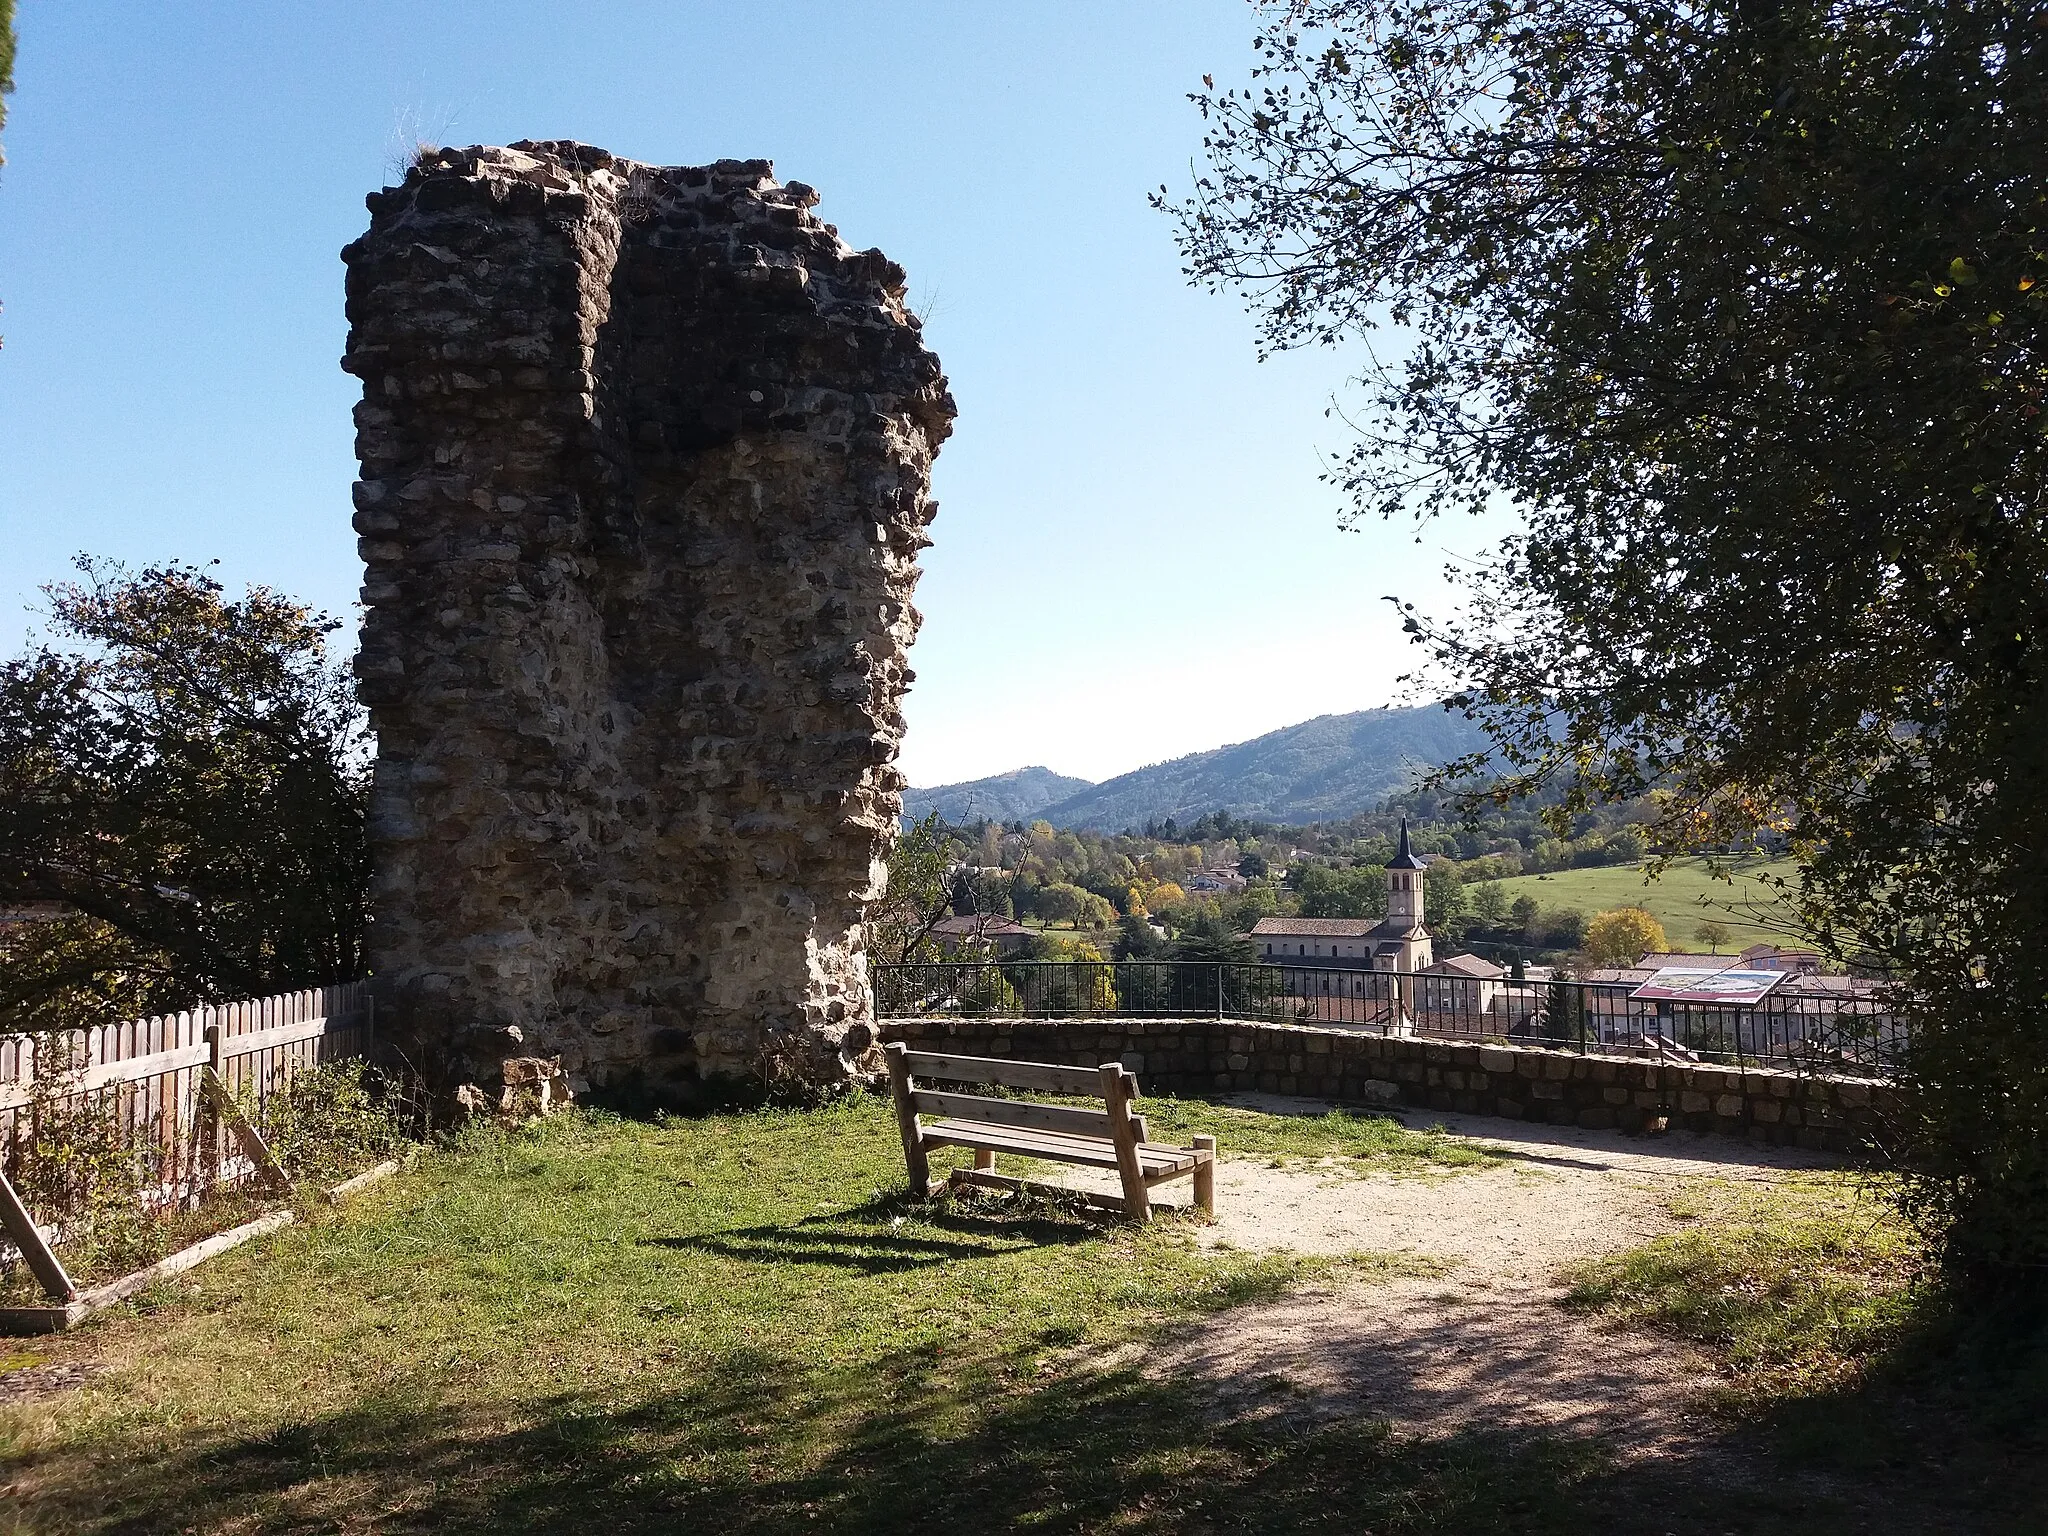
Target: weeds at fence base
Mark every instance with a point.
(104, 1198)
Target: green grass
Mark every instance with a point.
(1841, 1355)
(740, 1323)
(1355, 1142)
(1681, 898)
(1794, 1286)
(734, 1323)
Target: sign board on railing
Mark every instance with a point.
(1696, 984)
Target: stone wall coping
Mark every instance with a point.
(1493, 1055)
(1205, 1055)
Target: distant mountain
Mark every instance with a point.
(1321, 770)
(1019, 795)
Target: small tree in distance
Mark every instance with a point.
(915, 899)
(1713, 935)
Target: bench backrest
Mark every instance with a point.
(1111, 1083)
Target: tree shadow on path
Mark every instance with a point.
(916, 1442)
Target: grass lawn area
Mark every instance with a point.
(1681, 898)
(740, 1323)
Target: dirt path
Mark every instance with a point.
(1485, 1342)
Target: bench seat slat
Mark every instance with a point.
(1059, 1118)
(1050, 1145)
(1053, 1147)
(1036, 1076)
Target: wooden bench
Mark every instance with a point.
(1110, 1137)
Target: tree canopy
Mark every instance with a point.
(1623, 936)
(915, 899)
(1740, 306)
(183, 780)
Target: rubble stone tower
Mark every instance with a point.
(646, 458)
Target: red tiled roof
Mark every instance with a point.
(1465, 965)
(1314, 927)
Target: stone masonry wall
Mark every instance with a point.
(1206, 1056)
(646, 459)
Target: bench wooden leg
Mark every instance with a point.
(1123, 1133)
(915, 1163)
(1205, 1175)
(983, 1159)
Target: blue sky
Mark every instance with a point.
(1134, 557)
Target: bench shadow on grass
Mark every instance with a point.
(760, 1445)
(864, 1237)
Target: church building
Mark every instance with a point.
(1398, 942)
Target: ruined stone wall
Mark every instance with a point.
(646, 458)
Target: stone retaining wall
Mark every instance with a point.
(1202, 1056)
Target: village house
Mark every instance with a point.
(1758, 957)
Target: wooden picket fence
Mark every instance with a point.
(147, 1074)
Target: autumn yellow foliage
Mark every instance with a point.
(1624, 936)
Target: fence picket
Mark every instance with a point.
(159, 1112)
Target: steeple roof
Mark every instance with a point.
(1406, 858)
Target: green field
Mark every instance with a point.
(1681, 898)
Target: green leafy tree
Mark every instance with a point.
(1327, 892)
(1257, 900)
(1210, 938)
(1079, 982)
(1522, 913)
(1489, 903)
(1745, 308)
(1713, 935)
(1136, 939)
(1559, 928)
(1443, 896)
(183, 778)
(916, 897)
(981, 891)
(1109, 883)
(1062, 903)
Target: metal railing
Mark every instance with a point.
(1808, 1023)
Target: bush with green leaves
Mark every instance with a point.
(184, 779)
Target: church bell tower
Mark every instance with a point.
(1403, 942)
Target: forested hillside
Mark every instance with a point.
(1017, 795)
(1325, 769)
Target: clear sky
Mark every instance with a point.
(1134, 556)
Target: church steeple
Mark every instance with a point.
(1405, 859)
(1404, 887)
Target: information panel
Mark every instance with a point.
(1695, 984)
